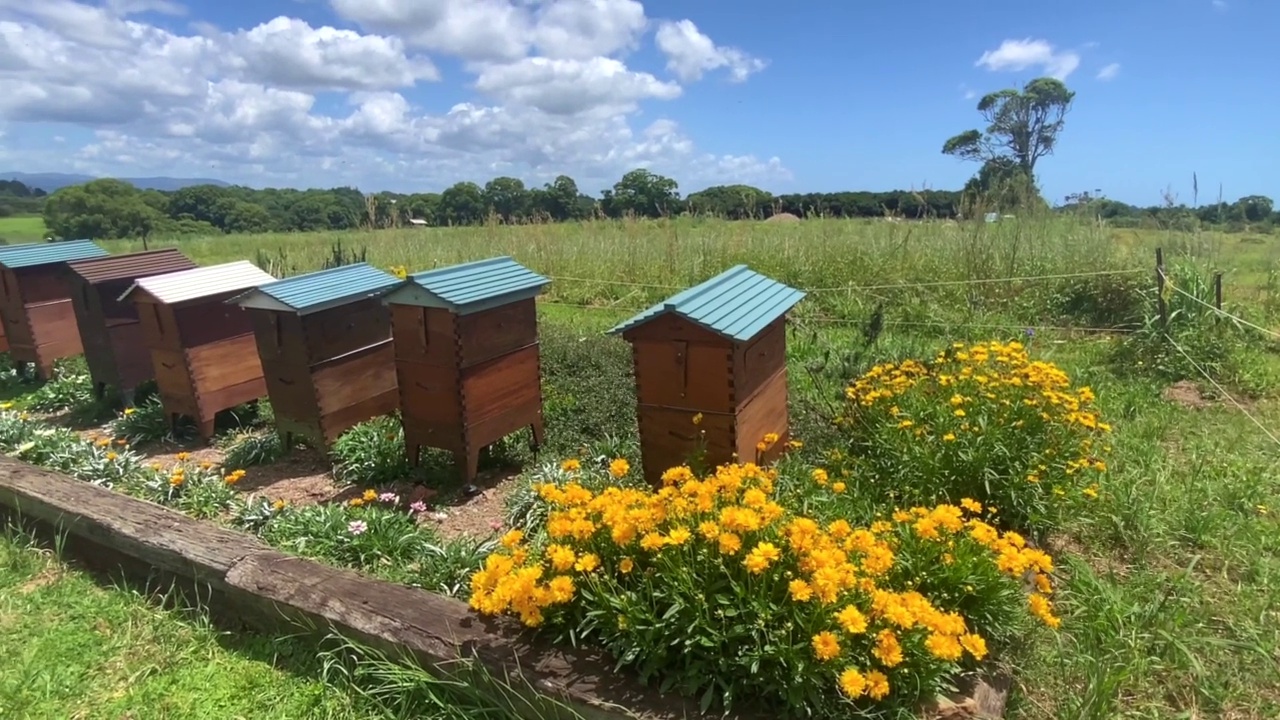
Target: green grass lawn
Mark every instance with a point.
(73, 648)
(22, 228)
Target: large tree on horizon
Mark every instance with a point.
(1022, 127)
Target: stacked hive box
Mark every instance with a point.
(39, 321)
(716, 352)
(110, 330)
(324, 340)
(467, 357)
(203, 350)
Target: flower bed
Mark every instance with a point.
(714, 588)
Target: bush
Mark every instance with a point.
(147, 422)
(254, 447)
(714, 589)
(982, 421)
(371, 453)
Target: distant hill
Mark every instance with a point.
(52, 181)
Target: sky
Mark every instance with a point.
(415, 95)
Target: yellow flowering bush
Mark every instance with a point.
(712, 587)
(984, 421)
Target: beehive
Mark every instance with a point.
(324, 340)
(715, 353)
(39, 321)
(110, 330)
(202, 350)
(467, 357)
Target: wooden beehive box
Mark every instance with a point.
(202, 350)
(717, 350)
(39, 322)
(110, 330)
(467, 357)
(325, 343)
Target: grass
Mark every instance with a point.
(75, 648)
(22, 228)
(1169, 588)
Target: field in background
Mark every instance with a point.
(629, 264)
(22, 228)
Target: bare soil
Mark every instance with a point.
(1186, 394)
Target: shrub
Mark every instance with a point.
(66, 391)
(983, 421)
(371, 453)
(718, 591)
(147, 422)
(588, 388)
(250, 448)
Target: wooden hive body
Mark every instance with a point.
(110, 329)
(468, 376)
(711, 373)
(330, 365)
(35, 302)
(202, 350)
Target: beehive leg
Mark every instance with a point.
(539, 432)
(468, 462)
(206, 429)
(99, 390)
(44, 370)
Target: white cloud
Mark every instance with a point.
(1018, 55)
(244, 104)
(1109, 72)
(690, 53)
(134, 7)
(290, 53)
(566, 87)
(968, 92)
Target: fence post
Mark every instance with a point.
(1217, 290)
(1161, 306)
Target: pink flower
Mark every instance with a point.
(495, 525)
(418, 507)
(387, 497)
(357, 527)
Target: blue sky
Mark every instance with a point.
(413, 95)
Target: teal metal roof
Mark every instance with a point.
(32, 254)
(470, 287)
(319, 290)
(737, 304)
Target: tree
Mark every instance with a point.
(100, 209)
(1022, 127)
(508, 198)
(1255, 208)
(462, 204)
(735, 202)
(643, 193)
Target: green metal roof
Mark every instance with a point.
(470, 287)
(736, 304)
(32, 254)
(321, 290)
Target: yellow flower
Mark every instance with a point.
(853, 684)
(837, 487)
(369, 495)
(129, 411)
(943, 647)
(679, 536)
(971, 505)
(104, 442)
(820, 476)
(560, 557)
(182, 456)
(175, 480)
(512, 539)
(877, 685)
(825, 645)
(949, 437)
(278, 505)
(852, 620)
(697, 419)
(6, 405)
(355, 502)
(112, 456)
(619, 468)
(587, 563)
(571, 465)
(1091, 492)
(975, 645)
(761, 557)
(730, 544)
(626, 566)
(800, 590)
